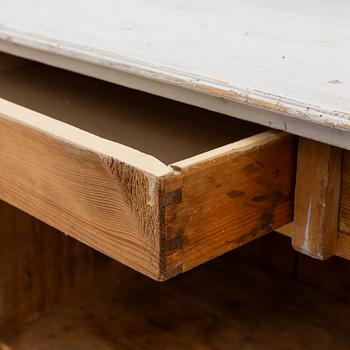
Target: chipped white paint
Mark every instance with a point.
(276, 55)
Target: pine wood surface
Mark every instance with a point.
(343, 234)
(225, 202)
(317, 199)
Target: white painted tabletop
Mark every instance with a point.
(281, 63)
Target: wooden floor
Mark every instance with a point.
(222, 305)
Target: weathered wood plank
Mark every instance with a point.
(317, 197)
(220, 203)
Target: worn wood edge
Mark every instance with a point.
(245, 147)
(163, 272)
(84, 140)
(265, 109)
(343, 237)
(173, 76)
(232, 149)
(147, 205)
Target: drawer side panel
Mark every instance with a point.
(227, 201)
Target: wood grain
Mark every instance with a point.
(73, 190)
(225, 305)
(317, 198)
(131, 215)
(217, 204)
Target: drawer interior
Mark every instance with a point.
(167, 130)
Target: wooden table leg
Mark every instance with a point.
(317, 198)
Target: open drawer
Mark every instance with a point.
(155, 184)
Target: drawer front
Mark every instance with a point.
(156, 219)
(158, 215)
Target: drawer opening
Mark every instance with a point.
(168, 130)
(157, 185)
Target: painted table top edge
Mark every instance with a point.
(321, 122)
